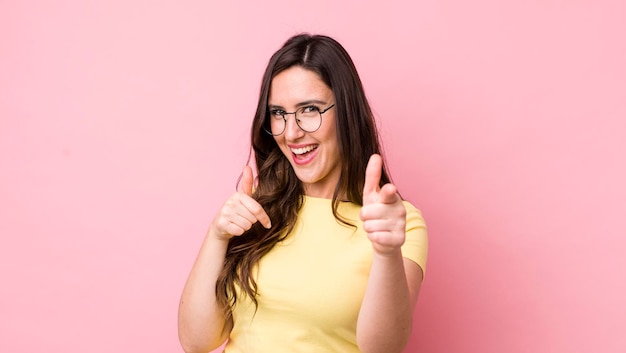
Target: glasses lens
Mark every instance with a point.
(274, 124)
(309, 118)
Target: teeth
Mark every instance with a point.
(303, 150)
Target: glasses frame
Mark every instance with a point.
(284, 115)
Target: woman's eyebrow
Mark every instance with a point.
(301, 104)
(274, 106)
(311, 101)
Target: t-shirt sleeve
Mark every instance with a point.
(415, 246)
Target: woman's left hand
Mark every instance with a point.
(383, 213)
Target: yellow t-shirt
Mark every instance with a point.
(312, 284)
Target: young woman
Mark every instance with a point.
(320, 254)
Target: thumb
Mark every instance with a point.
(247, 180)
(389, 194)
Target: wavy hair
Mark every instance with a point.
(279, 191)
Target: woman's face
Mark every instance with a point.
(314, 156)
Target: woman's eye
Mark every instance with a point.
(310, 109)
(277, 113)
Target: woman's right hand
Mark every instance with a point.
(239, 212)
(202, 323)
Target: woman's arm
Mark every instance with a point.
(202, 324)
(386, 315)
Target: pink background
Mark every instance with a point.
(124, 125)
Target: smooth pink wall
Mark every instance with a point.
(124, 124)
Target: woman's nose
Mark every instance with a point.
(292, 130)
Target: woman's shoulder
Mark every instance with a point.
(414, 215)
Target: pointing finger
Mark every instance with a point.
(257, 212)
(372, 175)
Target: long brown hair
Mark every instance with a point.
(279, 191)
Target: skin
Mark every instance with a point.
(384, 323)
(386, 314)
(290, 90)
(201, 323)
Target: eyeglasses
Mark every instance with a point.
(308, 118)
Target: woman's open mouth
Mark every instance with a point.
(303, 155)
